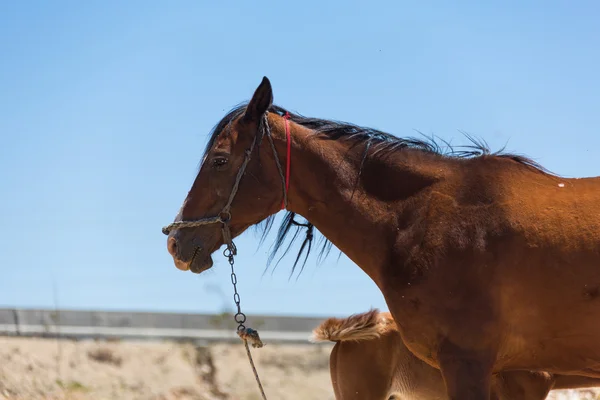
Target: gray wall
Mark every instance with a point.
(150, 325)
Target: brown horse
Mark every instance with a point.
(486, 261)
(370, 362)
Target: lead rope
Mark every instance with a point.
(246, 334)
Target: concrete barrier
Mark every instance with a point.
(150, 325)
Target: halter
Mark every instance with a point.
(224, 217)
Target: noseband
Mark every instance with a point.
(224, 217)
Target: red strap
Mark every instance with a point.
(288, 157)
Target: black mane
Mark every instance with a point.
(375, 142)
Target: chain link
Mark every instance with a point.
(239, 317)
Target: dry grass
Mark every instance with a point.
(106, 356)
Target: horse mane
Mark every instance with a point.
(375, 142)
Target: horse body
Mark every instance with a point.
(486, 263)
(465, 247)
(523, 268)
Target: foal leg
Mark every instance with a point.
(467, 373)
(360, 371)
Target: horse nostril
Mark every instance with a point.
(172, 246)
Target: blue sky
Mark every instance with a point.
(105, 108)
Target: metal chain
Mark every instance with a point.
(243, 332)
(239, 317)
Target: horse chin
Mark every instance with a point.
(198, 266)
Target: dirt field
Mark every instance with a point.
(97, 370)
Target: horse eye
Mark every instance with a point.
(219, 162)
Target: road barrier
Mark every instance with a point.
(150, 325)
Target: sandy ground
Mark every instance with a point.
(32, 369)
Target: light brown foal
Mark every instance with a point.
(370, 362)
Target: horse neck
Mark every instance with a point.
(362, 214)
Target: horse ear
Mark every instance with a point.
(261, 101)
